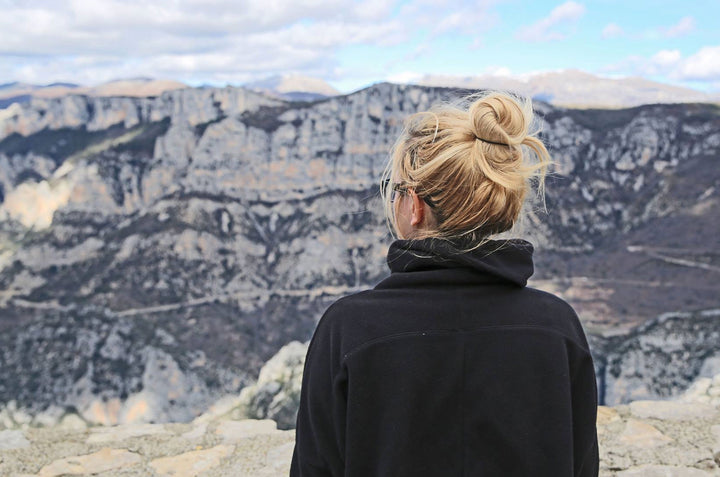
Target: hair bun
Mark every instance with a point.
(498, 119)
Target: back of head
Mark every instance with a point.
(472, 163)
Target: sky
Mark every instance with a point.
(352, 44)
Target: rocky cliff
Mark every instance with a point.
(155, 252)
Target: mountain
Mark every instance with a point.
(17, 87)
(294, 87)
(22, 92)
(136, 87)
(577, 89)
(156, 251)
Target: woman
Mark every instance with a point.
(452, 366)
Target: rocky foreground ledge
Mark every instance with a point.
(678, 438)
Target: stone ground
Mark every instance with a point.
(659, 439)
(642, 439)
(212, 449)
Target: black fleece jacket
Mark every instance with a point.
(449, 367)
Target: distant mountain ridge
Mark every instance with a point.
(568, 88)
(18, 85)
(294, 87)
(17, 92)
(577, 89)
(291, 87)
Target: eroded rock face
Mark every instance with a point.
(230, 221)
(660, 359)
(108, 369)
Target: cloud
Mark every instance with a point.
(470, 20)
(497, 71)
(702, 66)
(191, 40)
(666, 58)
(612, 30)
(554, 25)
(428, 20)
(134, 27)
(661, 63)
(435, 18)
(681, 28)
(219, 41)
(237, 58)
(405, 77)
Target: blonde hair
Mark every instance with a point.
(474, 162)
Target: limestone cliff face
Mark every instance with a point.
(209, 227)
(191, 106)
(659, 359)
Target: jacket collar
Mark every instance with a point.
(494, 261)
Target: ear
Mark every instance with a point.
(418, 209)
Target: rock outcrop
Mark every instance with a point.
(276, 394)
